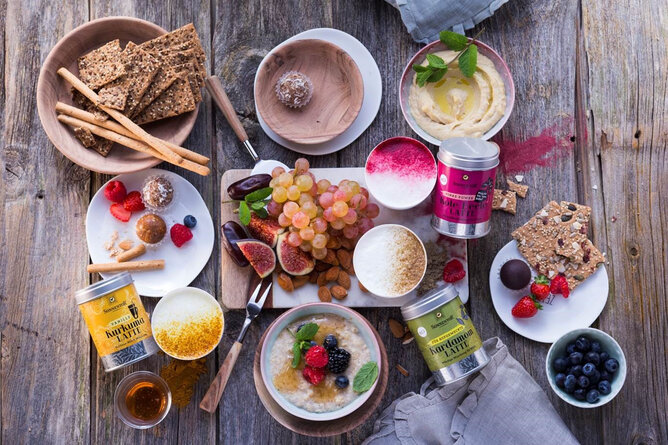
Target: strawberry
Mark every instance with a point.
(316, 357)
(115, 191)
(313, 375)
(540, 287)
(180, 234)
(527, 307)
(453, 271)
(119, 212)
(133, 202)
(559, 285)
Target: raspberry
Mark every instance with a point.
(180, 234)
(453, 271)
(133, 202)
(313, 375)
(316, 357)
(559, 285)
(115, 191)
(119, 212)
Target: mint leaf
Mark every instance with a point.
(468, 61)
(244, 213)
(365, 377)
(437, 75)
(258, 195)
(435, 61)
(453, 40)
(419, 68)
(307, 332)
(421, 78)
(262, 213)
(296, 355)
(258, 205)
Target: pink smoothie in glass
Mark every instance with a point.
(400, 172)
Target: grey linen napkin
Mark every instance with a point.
(502, 404)
(424, 19)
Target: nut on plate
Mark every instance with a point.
(330, 258)
(300, 280)
(285, 281)
(324, 294)
(339, 292)
(344, 258)
(343, 279)
(332, 274)
(362, 288)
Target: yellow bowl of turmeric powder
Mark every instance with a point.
(187, 323)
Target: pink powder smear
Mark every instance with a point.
(537, 151)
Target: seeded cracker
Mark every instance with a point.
(85, 136)
(177, 99)
(162, 81)
(192, 80)
(520, 189)
(505, 200)
(114, 97)
(102, 65)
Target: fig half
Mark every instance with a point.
(293, 260)
(259, 255)
(265, 230)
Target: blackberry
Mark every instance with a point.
(339, 359)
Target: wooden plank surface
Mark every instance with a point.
(589, 124)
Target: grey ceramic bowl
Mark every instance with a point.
(608, 344)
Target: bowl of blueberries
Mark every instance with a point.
(586, 367)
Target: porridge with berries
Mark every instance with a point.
(314, 361)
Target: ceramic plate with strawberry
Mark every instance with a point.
(117, 206)
(540, 311)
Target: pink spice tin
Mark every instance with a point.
(465, 187)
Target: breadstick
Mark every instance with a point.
(129, 254)
(121, 118)
(133, 266)
(131, 143)
(78, 113)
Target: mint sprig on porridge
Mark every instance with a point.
(302, 343)
(365, 377)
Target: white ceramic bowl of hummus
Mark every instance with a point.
(325, 401)
(485, 113)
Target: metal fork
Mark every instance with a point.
(212, 397)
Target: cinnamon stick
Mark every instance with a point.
(132, 266)
(121, 118)
(86, 116)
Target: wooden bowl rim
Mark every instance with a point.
(44, 116)
(354, 78)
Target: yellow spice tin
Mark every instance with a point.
(117, 321)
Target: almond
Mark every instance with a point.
(324, 294)
(343, 279)
(408, 338)
(333, 243)
(332, 274)
(330, 258)
(313, 277)
(126, 244)
(350, 269)
(348, 243)
(285, 282)
(402, 370)
(322, 279)
(320, 266)
(396, 327)
(344, 258)
(362, 288)
(299, 281)
(339, 292)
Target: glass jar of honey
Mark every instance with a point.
(142, 399)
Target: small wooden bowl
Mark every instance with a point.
(51, 88)
(338, 91)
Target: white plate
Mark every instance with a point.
(182, 265)
(559, 315)
(373, 92)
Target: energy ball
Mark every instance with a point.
(157, 192)
(151, 229)
(515, 274)
(294, 89)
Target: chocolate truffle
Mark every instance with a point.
(157, 192)
(515, 274)
(151, 228)
(294, 89)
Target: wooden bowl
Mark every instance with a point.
(51, 88)
(338, 91)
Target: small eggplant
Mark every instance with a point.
(242, 187)
(233, 232)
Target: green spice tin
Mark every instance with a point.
(445, 334)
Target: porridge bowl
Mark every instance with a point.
(307, 388)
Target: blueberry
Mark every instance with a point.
(580, 393)
(595, 377)
(583, 382)
(559, 379)
(611, 365)
(595, 346)
(189, 221)
(575, 358)
(570, 348)
(560, 364)
(605, 375)
(582, 344)
(301, 325)
(330, 342)
(593, 357)
(341, 381)
(604, 387)
(592, 396)
(313, 343)
(604, 356)
(575, 370)
(588, 369)
(569, 384)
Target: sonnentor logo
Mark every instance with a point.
(443, 179)
(422, 332)
(465, 177)
(438, 315)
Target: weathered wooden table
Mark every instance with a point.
(589, 124)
